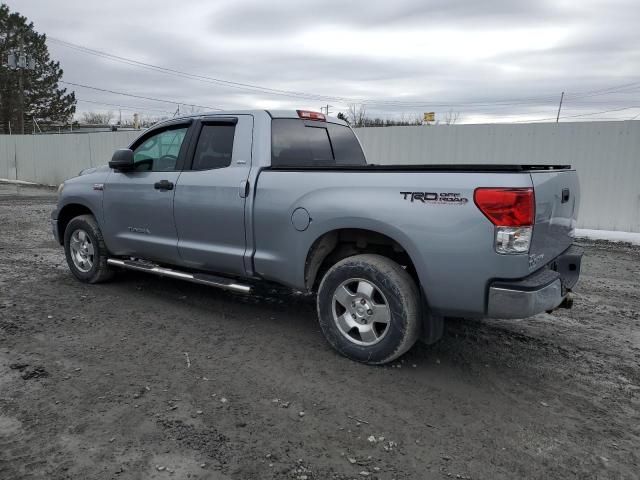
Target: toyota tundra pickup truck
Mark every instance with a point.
(235, 199)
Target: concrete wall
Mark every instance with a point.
(50, 159)
(606, 156)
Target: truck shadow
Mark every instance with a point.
(466, 343)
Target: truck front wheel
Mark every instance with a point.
(369, 308)
(86, 251)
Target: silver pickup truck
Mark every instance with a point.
(236, 198)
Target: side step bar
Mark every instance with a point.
(211, 280)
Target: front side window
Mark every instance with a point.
(215, 147)
(159, 153)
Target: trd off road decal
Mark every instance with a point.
(443, 198)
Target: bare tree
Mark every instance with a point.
(97, 118)
(357, 115)
(451, 117)
(148, 121)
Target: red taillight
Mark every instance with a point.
(307, 115)
(506, 207)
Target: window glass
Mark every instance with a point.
(346, 148)
(296, 145)
(159, 153)
(215, 147)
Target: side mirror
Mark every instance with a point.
(122, 160)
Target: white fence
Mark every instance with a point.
(606, 155)
(50, 159)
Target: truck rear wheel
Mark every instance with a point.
(369, 308)
(86, 251)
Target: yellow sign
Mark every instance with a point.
(429, 116)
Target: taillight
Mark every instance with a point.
(506, 207)
(512, 211)
(307, 115)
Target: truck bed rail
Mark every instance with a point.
(426, 168)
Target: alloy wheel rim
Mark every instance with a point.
(82, 250)
(361, 312)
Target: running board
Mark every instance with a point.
(203, 278)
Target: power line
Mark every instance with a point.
(292, 93)
(624, 89)
(578, 115)
(138, 96)
(171, 71)
(125, 107)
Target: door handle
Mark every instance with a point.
(565, 195)
(163, 185)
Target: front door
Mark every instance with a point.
(211, 195)
(138, 204)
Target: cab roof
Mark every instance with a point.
(271, 113)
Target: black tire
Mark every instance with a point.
(99, 270)
(398, 290)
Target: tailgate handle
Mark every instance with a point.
(565, 195)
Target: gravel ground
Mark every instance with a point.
(147, 377)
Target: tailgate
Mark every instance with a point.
(557, 195)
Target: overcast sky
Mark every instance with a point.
(490, 60)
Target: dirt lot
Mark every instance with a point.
(153, 378)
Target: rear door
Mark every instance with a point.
(138, 204)
(557, 196)
(211, 195)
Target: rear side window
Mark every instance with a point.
(215, 147)
(299, 143)
(346, 147)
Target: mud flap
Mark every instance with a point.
(432, 325)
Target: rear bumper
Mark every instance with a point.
(542, 291)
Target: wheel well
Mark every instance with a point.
(336, 245)
(68, 213)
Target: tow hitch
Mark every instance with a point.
(566, 303)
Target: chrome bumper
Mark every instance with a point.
(508, 303)
(541, 291)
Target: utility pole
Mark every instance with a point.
(20, 61)
(325, 110)
(21, 102)
(560, 107)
